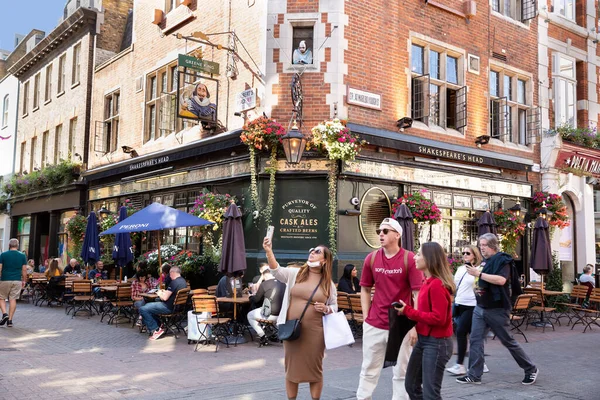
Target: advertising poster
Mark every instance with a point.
(565, 252)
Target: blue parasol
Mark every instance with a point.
(122, 250)
(90, 252)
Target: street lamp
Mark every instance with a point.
(544, 211)
(516, 209)
(103, 211)
(294, 143)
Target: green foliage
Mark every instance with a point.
(587, 137)
(63, 173)
(76, 230)
(554, 281)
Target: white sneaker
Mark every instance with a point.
(457, 369)
(485, 368)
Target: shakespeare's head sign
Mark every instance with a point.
(198, 97)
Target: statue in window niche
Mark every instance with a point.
(199, 104)
(302, 55)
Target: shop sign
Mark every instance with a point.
(245, 100)
(449, 154)
(306, 166)
(578, 161)
(149, 163)
(363, 99)
(300, 214)
(198, 64)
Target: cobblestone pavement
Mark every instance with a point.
(48, 355)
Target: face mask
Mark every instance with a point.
(313, 264)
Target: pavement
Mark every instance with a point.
(49, 355)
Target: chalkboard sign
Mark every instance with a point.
(374, 207)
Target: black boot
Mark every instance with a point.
(263, 341)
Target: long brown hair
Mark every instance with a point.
(437, 264)
(326, 271)
(53, 267)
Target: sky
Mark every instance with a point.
(23, 16)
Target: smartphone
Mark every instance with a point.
(270, 231)
(396, 304)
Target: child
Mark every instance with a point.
(425, 369)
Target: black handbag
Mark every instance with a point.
(290, 329)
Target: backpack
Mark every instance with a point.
(514, 284)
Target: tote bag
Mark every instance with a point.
(337, 331)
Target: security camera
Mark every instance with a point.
(255, 214)
(354, 201)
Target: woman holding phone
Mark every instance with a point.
(304, 356)
(425, 370)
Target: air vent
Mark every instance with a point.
(473, 64)
(499, 56)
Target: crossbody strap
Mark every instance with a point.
(310, 298)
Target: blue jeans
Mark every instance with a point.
(425, 369)
(150, 313)
(498, 320)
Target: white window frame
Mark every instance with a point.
(560, 79)
(45, 136)
(562, 8)
(22, 159)
(62, 76)
(437, 103)
(76, 72)
(48, 87)
(111, 119)
(33, 154)
(5, 105)
(57, 142)
(170, 5)
(72, 133)
(516, 128)
(36, 91)
(166, 90)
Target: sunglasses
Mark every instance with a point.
(466, 253)
(316, 251)
(385, 231)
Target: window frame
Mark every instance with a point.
(57, 141)
(170, 5)
(111, 119)
(559, 78)
(25, 99)
(76, 68)
(62, 74)
(515, 126)
(22, 159)
(557, 9)
(166, 92)
(33, 154)
(439, 104)
(36, 91)
(5, 113)
(72, 133)
(45, 136)
(48, 86)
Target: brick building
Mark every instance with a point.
(568, 75)
(55, 88)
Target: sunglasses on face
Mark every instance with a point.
(466, 253)
(385, 231)
(316, 251)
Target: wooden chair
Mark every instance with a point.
(576, 299)
(590, 315)
(82, 289)
(212, 290)
(219, 328)
(198, 291)
(520, 313)
(100, 303)
(537, 285)
(539, 307)
(121, 306)
(356, 315)
(270, 329)
(344, 302)
(172, 320)
(69, 294)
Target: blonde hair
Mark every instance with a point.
(476, 253)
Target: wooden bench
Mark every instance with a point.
(589, 316)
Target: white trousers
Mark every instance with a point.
(252, 320)
(374, 345)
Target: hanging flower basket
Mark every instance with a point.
(510, 229)
(555, 205)
(335, 139)
(422, 209)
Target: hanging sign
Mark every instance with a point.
(198, 64)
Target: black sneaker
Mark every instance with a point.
(9, 324)
(4, 318)
(263, 341)
(468, 379)
(530, 378)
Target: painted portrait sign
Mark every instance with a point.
(198, 97)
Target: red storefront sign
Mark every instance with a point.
(579, 159)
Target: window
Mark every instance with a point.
(111, 121)
(48, 91)
(565, 86)
(509, 110)
(36, 92)
(171, 5)
(151, 103)
(61, 73)
(33, 155)
(72, 133)
(161, 92)
(5, 112)
(22, 159)
(44, 148)
(437, 97)
(26, 98)
(57, 142)
(76, 64)
(302, 45)
(23, 229)
(566, 8)
(520, 10)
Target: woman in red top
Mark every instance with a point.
(425, 369)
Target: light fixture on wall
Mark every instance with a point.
(404, 123)
(103, 211)
(294, 143)
(481, 140)
(516, 209)
(130, 150)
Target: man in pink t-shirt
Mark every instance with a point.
(395, 280)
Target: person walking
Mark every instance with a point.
(393, 271)
(425, 370)
(13, 276)
(493, 311)
(309, 283)
(464, 304)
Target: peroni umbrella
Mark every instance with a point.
(90, 251)
(122, 250)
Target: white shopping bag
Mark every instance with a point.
(195, 326)
(337, 331)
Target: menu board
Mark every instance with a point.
(374, 207)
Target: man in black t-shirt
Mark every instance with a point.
(270, 297)
(150, 312)
(73, 267)
(493, 311)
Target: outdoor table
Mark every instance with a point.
(237, 327)
(552, 293)
(149, 296)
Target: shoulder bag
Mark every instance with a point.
(290, 330)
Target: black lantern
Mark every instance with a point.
(544, 211)
(516, 209)
(294, 143)
(103, 211)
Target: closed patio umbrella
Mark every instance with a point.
(122, 250)
(541, 252)
(90, 251)
(486, 224)
(405, 219)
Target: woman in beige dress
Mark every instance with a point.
(304, 356)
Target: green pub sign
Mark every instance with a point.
(198, 64)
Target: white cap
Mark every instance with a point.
(393, 223)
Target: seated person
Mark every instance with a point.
(150, 312)
(349, 282)
(54, 275)
(257, 280)
(98, 273)
(270, 295)
(225, 289)
(30, 266)
(139, 267)
(138, 286)
(42, 268)
(302, 55)
(587, 275)
(53, 270)
(165, 278)
(73, 267)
